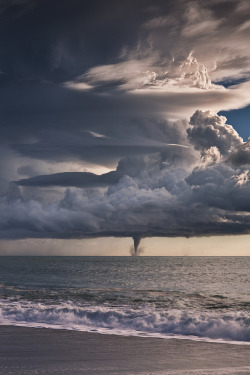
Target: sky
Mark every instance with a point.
(124, 121)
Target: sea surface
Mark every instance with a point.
(195, 298)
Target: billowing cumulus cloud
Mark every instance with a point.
(208, 129)
(166, 193)
(241, 156)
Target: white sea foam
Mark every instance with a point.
(231, 327)
(243, 370)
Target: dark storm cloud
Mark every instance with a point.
(222, 187)
(53, 123)
(55, 39)
(156, 195)
(113, 84)
(157, 204)
(81, 43)
(60, 39)
(77, 179)
(99, 154)
(131, 166)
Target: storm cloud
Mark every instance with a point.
(109, 118)
(153, 195)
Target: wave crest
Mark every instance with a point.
(123, 320)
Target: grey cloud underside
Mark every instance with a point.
(48, 122)
(155, 195)
(104, 155)
(53, 123)
(77, 179)
(172, 154)
(127, 210)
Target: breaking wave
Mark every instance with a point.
(232, 326)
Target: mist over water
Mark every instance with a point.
(198, 298)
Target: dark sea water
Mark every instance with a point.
(197, 298)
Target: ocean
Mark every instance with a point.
(192, 298)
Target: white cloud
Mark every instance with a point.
(242, 178)
(208, 130)
(137, 74)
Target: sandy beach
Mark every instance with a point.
(26, 351)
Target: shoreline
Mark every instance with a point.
(139, 334)
(25, 350)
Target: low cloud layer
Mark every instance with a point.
(150, 195)
(77, 179)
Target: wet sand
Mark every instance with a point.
(40, 351)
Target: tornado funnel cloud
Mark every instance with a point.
(137, 241)
(135, 251)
